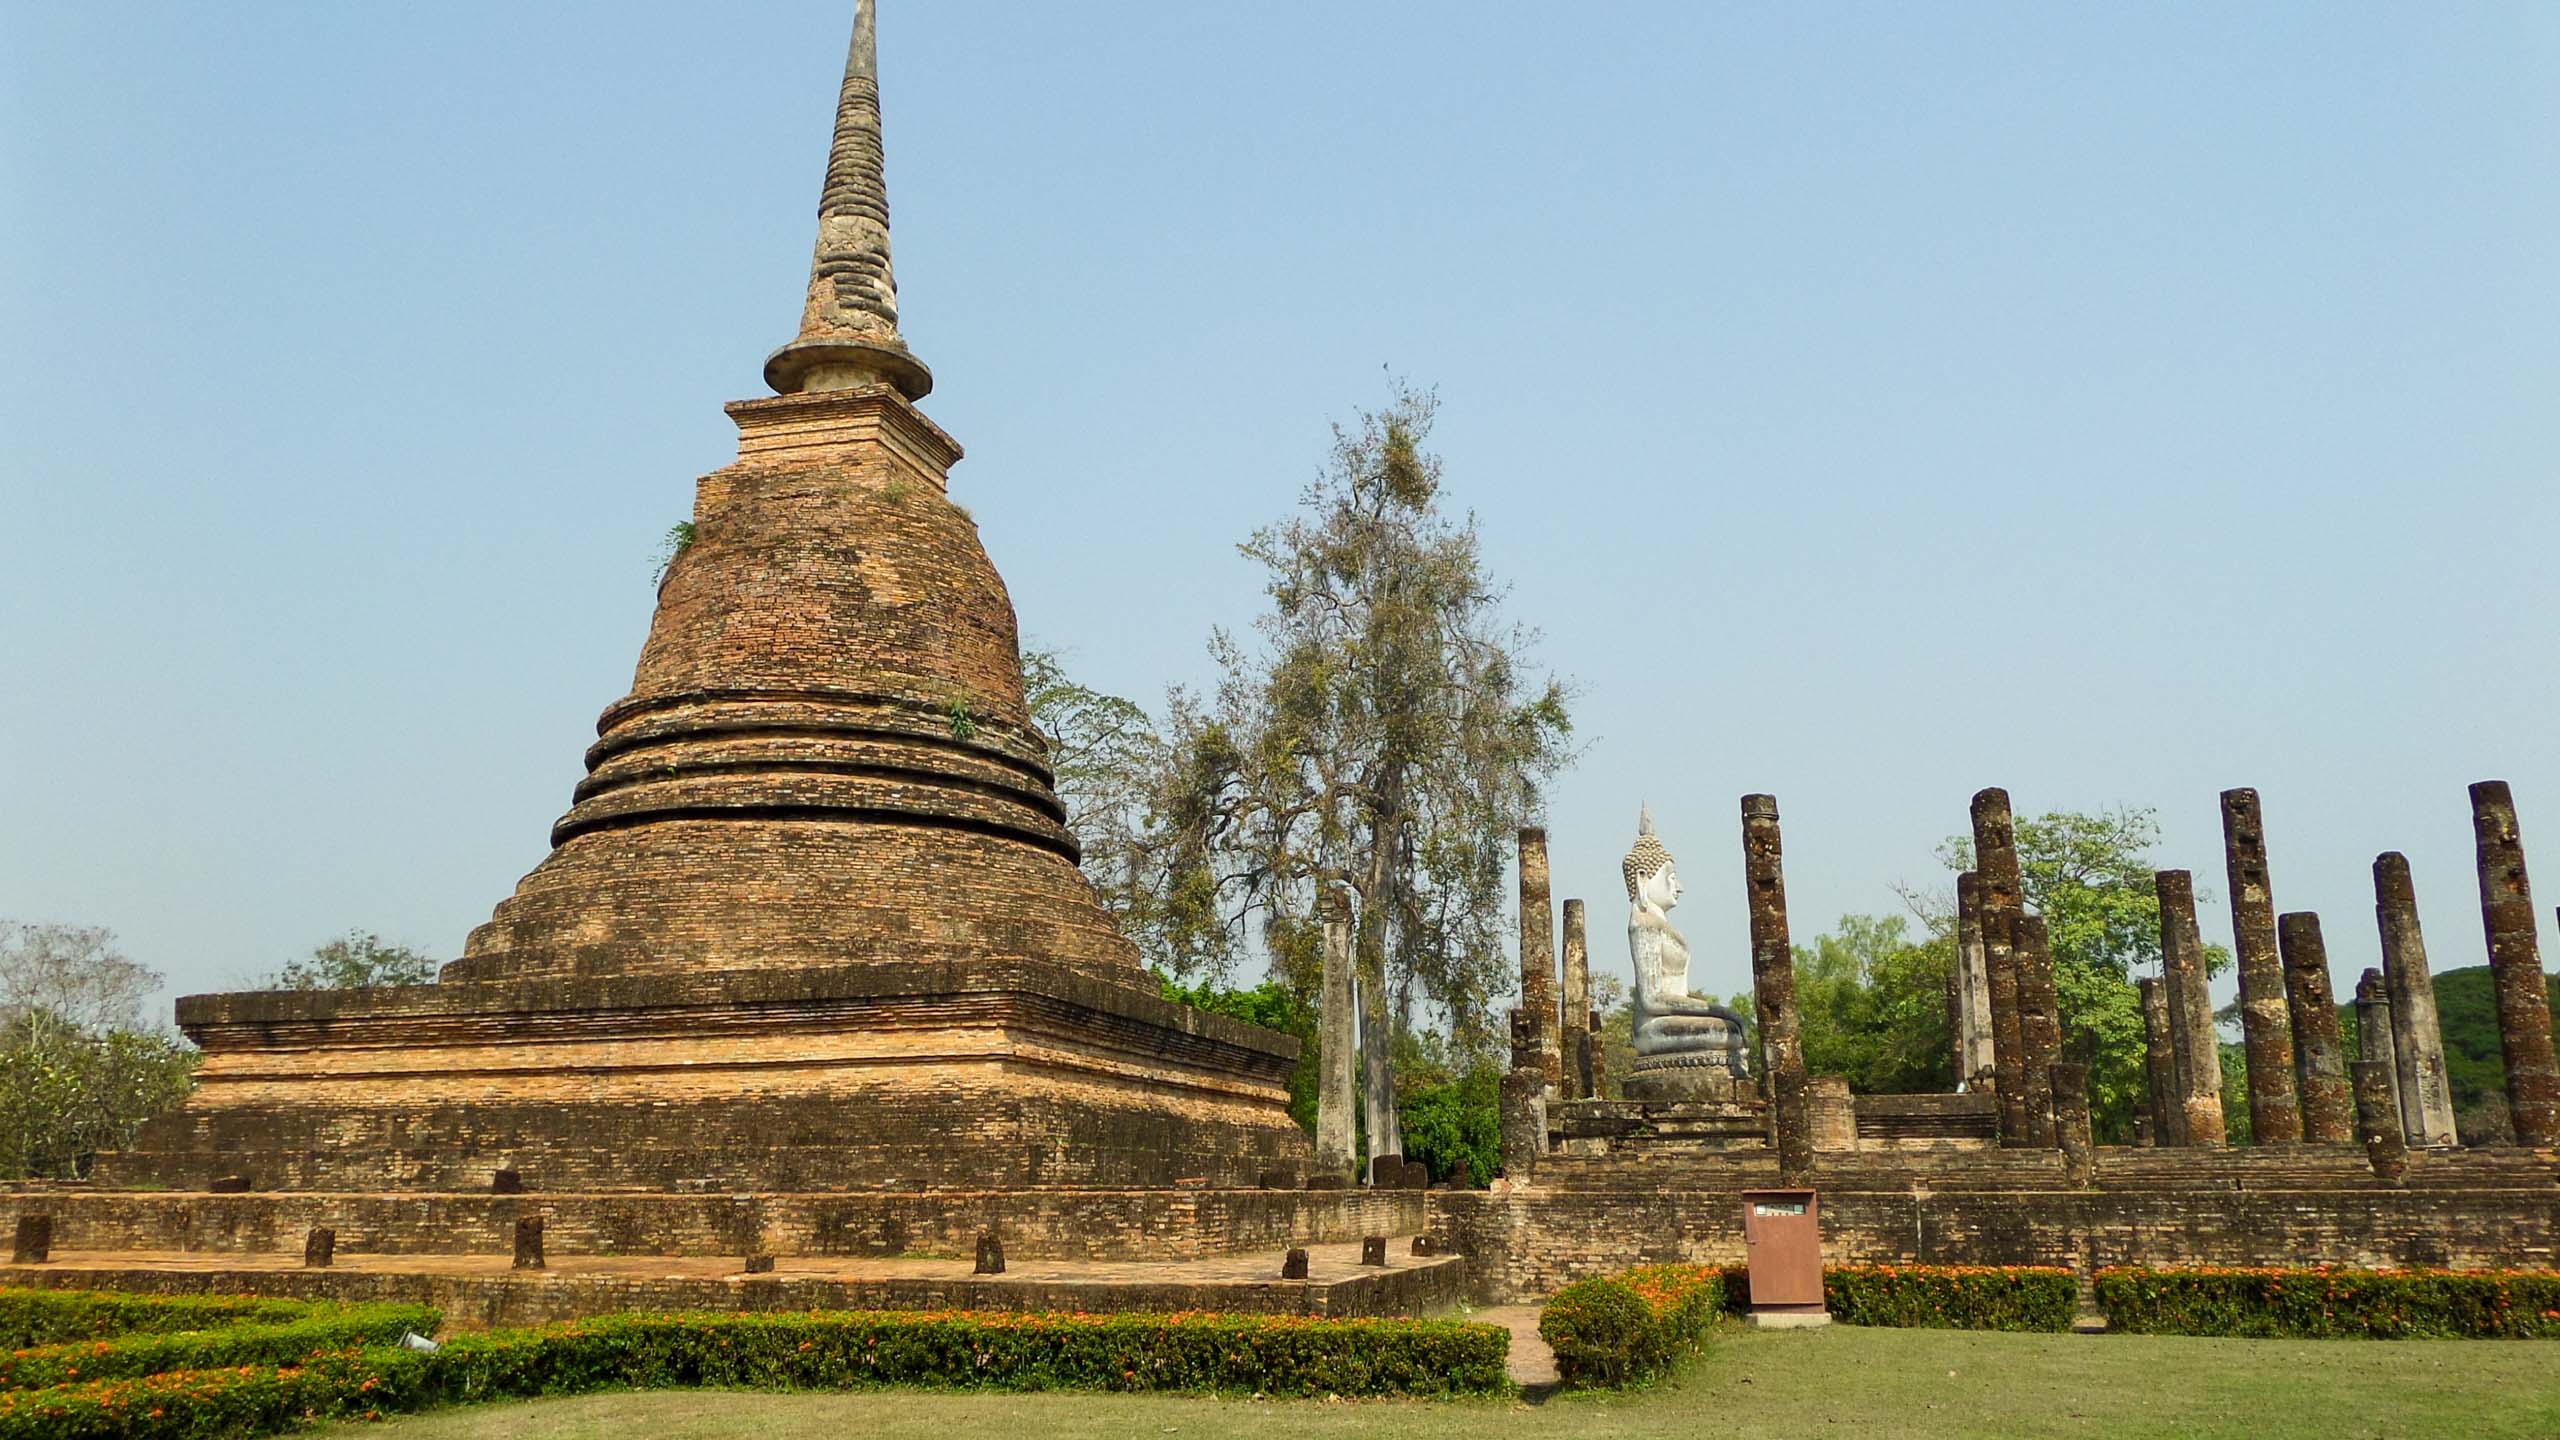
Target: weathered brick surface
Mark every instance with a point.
(2293, 1207)
(1080, 1225)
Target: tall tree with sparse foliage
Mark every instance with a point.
(1386, 735)
(79, 1070)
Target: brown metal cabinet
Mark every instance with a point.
(1783, 1232)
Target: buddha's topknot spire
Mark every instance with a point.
(849, 332)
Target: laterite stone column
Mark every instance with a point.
(2275, 1114)
(1337, 1046)
(1976, 1050)
(2515, 967)
(2071, 1123)
(2378, 1120)
(2374, 1039)
(2319, 1048)
(2160, 1062)
(1773, 985)
(2199, 1045)
(1577, 1004)
(1995, 856)
(2039, 1026)
(1538, 952)
(2417, 1041)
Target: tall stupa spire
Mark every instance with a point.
(849, 331)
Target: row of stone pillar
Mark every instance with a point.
(1563, 1023)
(2299, 1084)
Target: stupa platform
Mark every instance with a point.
(1079, 1226)
(482, 1290)
(872, 1074)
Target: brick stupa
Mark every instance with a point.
(813, 920)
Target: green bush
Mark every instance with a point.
(287, 1343)
(1223, 1353)
(1628, 1328)
(52, 1317)
(1952, 1297)
(2325, 1304)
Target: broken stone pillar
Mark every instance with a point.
(319, 1248)
(990, 1254)
(1773, 985)
(2266, 1030)
(1337, 1137)
(34, 1241)
(1377, 1063)
(529, 1243)
(507, 1182)
(2373, 1028)
(2319, 1046)
(2378, 1119)
(2417, 1043)
(2160, 1063)
(2071, 1122)
(1522, 1108)
(1538, 953)
(1293, 1266)
(2003, 898)
(760, 1263)
(1977, 1054)
(1595, 1056)
(1831, 1114)
(2515, 967)
(1373, 1249)
(1577, 1004)
(2198, 1045)
(2039, 1025)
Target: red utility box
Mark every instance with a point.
(1783, 1232)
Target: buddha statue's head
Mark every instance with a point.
(1651, 878)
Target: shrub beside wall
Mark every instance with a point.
(1624, 1329)
(2325, 1304)
(51, 1317)
(288, 1343)
(1953, 1297)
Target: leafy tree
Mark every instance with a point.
(1273, 1007)
(1874, 1008)
(1384, 737)
(353, 961)
(78, 1072)
(1455, 1118)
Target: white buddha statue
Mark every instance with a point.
(1686, 1047)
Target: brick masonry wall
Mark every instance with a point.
(1133, 1225)
(2480, 1211)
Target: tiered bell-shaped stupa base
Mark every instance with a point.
(879, 1075)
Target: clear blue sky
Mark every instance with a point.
(1869, 404)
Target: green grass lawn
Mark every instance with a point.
(1839, 1381)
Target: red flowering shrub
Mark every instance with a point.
(2323, 1303)
(323, 1327)
(1627, 1328)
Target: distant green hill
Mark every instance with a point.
(2467, 1009)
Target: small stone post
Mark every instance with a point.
(2417, 1042)
(529, 1243)
(1337, 1048)
(1538, 953)
(2275, 1115)
(2071, 1123)
(2373, 1029)
(2199, 1045)
(2039, 1025)
(2160, 1062)
(1577, 1005)
(1773, 986)
(1995, 858)
(2378, 1120)
(319, 1248)
(34, 1241)
(1977, 1051)
(2319, 1047)
(2515, 967)
(990, 1254)
(1373, 1249)
(1293, 1266)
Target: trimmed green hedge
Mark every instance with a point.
(847, 1350)
(1627, 1328)
(2324, 1304)
(1951, 1297)
(53, 1317)
(289, 1343)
